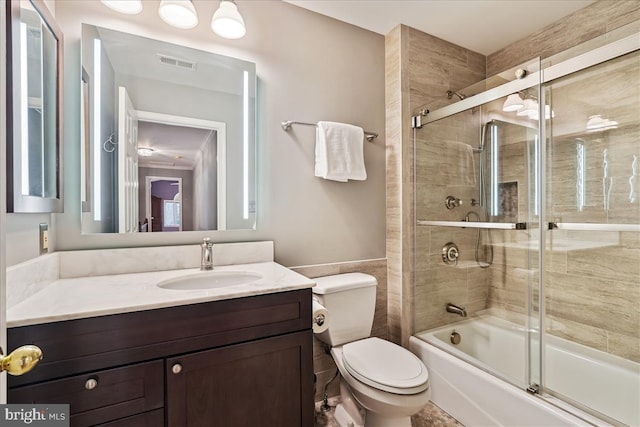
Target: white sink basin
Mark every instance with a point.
(209, 280)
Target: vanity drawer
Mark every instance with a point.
(102, 396)
(148, 419)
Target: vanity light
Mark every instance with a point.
(597, 123)
(512, 103)
(145, 152)
(530, 107)
(227, 21)
(130, 7)
(178, 13)
(548, 113)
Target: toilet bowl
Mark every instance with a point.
(390, 402)
(382, 383)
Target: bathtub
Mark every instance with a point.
(462, 386)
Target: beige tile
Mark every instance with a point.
(594, 301)
(624, 346)
(577, 332)
(323, 378)
(620, 264)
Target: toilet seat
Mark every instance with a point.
(385, 366)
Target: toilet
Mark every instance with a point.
(382, 383)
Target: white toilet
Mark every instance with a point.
(382, 384)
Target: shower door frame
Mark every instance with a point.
(546, 74)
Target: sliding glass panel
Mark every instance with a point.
(592, 255)
(479, 166)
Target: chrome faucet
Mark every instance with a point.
(460, 311)
(206, 254)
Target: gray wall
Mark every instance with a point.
(309, 68)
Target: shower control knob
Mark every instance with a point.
(452, 202)
(450, 253)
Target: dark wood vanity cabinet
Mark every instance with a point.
(240, 362)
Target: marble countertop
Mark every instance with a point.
(82, 297)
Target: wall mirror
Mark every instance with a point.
(34, 119)
(168, 139)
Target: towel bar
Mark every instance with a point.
(369, 136)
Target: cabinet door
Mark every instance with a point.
(268, 383)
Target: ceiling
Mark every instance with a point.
(483, 26)
(174, 147)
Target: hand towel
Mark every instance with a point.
(339, 152)
(462, 170)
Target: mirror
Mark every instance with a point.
(168, 140)
(34, 85)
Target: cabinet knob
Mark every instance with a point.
(91, 384)
(177, 368)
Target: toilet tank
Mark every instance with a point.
(350, 299)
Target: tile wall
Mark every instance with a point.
(419, 68)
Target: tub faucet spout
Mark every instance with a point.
(460, 311)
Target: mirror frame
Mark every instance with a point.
(16, 201)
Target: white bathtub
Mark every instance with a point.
(461, 385)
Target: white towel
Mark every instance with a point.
(461, 166)
(339, 152)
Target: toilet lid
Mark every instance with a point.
(385, 366)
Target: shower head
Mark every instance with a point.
(450, 94)
(483, 135)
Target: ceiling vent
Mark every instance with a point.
(170, 60)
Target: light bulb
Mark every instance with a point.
(129, 7)
(512, 103)
(530, 107)
(178, 13)
(227, 21)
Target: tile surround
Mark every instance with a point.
(419, 69)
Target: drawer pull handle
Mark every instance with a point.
(177, 368)
(91, 384)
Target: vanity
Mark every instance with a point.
(123, 351)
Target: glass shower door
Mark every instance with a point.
(591, 255)
(475, 175)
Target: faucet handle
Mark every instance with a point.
(452, 202)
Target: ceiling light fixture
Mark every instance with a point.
(145, 152)
(227, 21)
(130, 7)
(530, 107)
(512, 103)
(548, 113)
(597, 123)
(178, 13)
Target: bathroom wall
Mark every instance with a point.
(323, 365)
(585, 24)
(420, 68)
(309, 68)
